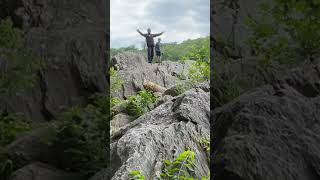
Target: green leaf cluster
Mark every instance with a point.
(141, 103)
(199, 71)
(81, 140)
(11, 126)
(136, 175)
(116, 80)
(182, 168)
(286, 33)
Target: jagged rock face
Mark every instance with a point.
(164, 133)
(70, 37)
(229, 18)
(134, 70)
(271, 133)
(40, 171)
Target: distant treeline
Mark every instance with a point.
(171, 51)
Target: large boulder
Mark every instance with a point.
(34, 146)
(40, 171)
(71, 40)
(271, 133)
(163, 133)
(134, 69)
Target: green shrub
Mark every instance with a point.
(136, 175)
(199, 71)
(285, 32)
(11, 126)
(116, 80)
(81, 140)
(115, 101)
(141, 103)
(182, 168)
(10, 37)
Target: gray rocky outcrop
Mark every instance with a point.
(163, 133)
(134, 69)
(272, 132)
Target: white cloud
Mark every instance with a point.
(180, 19)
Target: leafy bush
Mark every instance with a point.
(286, 33)
(81, 139)
(199, 71)
(141, 103)
(11, 126)
(136, 175)
(18, 66)
(115, 101)
(10, 37)
(182, 168)
(116, 80)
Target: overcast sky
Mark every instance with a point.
(180, 19)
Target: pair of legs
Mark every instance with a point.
(150, 53)
(158, 56)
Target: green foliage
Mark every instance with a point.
(81, 138)
(287, 32)
(10, 37)
(171, 51)
(182, 168)
(11, 126)
(141, 103)
(132, 48)
(136, 175)
(230, 86)
(205, 142)
(199, 71)
(19, 66)
(181, 51)
(116, 80)
(199, 52)
(115, 101)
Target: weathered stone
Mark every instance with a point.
(34, 146)
(164, 133)
(134, 70)
(40, 171)
(271, 133)
(119, 121)
(71, 40)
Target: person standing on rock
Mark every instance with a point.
(150, 42)
(158, 51)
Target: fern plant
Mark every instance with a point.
(182, 168)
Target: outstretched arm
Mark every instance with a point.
(155, 35)
(140, 32)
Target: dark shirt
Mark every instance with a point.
(149, 38)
